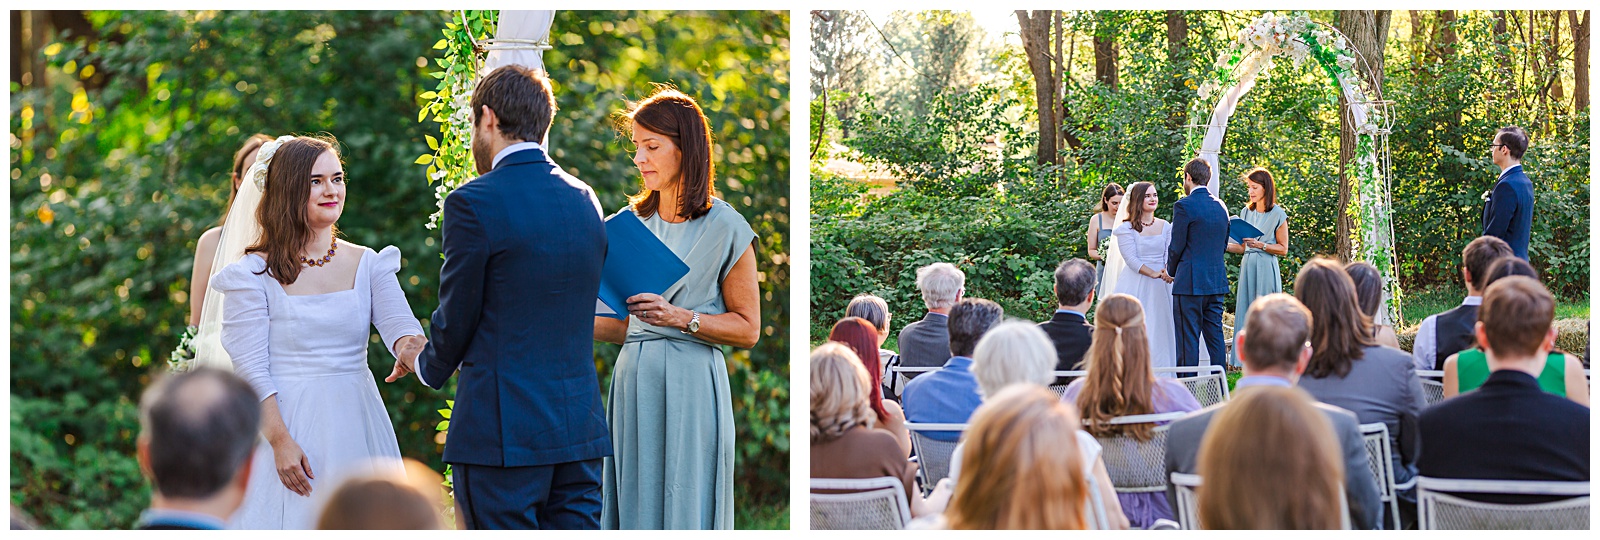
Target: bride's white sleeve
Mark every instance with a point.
(391, 313)
(245, 321)
(1127, 243)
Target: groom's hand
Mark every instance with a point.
(406, 351)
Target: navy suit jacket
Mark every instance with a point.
(1072, 337)
(1508, 215)
(1199, 238)
(523, 249)
(1507, 429)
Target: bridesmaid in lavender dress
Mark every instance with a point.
(1121, 383)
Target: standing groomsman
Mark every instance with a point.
(1508, 212)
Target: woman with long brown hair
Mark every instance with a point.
(679, 475)
(1024, 469)
(1270, 461)
(206, 248)
(862, 338)
(1258, 270)
(1138, 253)
(1120, 383)
(1100, 225)
(1348, 368)
(298, 310)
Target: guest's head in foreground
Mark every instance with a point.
(1021, 468)
(941, 285)
(1263, 193)
(872, 308)
(1074, 286)
(197, 435)
(858, 334)
(839, 392)
(511, 104)
(969, 320)
(1509, 145)
(1514, 323)
(1341, 330)
(1507, 267)
(1270, 461)
(1013, 352)
(1110, 199)
(1119, 381)
(673, 141)
(391, 501)
(1476, 258)
(304, 196)
(1196, 173)
(1275, 341)
(1369, 287)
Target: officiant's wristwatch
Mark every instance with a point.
(694, 323)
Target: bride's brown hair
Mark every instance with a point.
(282, 213)
(1136, 193)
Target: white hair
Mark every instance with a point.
(1013, 352)
(941, 284)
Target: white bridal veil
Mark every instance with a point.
(239, 231)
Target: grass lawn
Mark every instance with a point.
(765, 516)
(1417, 305)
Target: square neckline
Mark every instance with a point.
(353, 286)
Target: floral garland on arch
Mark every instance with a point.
(450, 162)
(1296, 37)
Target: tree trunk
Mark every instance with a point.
(1447, 54)
(1502, 57)
(1035, 33)
(1105, 53)
(1368, 31)
(1552, 60)
(1580, 60)
(1178, 60)
(1058, 98)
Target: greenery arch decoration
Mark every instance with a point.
(450, 164)
(1298, 38)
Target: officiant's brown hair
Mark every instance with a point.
(677, 116)
(1269, 191)
(521, 100)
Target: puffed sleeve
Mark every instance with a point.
(245, 322)
(739, 236)
(391, 313)
(1127, 243)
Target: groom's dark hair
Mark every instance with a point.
(1515, 139)
(201, 426)
(1198, 170)
(521, 99)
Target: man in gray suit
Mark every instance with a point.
(926, 343)
(1275, 350)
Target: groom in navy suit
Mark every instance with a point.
(1194, 259)
(1508, 212)
(523, 248)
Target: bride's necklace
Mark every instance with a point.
(1152, 221)
(332, 248)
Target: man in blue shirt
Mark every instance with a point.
(949, 394)
(198, 433)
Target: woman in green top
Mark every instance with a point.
(1563, 375)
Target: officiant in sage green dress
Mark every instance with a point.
(670, 410)
(1258, 271)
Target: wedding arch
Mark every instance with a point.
(1297, 38)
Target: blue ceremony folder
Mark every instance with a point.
(1239, 229)
(636, 263)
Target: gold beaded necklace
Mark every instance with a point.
(334, 247)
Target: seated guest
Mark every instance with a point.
(1369, 295)
(1562, 374)
(1068, 330)
(876, 311)
(386, 502)
(1274, 350)
(862, 339)
(1120, 383)
(1442, 335)
(926, 343)
(1509, 429)
(1351, 371)
(949, 394)
(1026, 467)
(197, 435)
(1270, 462)
(844, 440)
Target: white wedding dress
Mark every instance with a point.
(309, 352)
(1154, 295)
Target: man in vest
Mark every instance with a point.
(1453, 331)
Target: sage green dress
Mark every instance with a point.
(1258, 271)
(670, 411)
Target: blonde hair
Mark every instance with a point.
(1022, 465)
(1013, 352)
(1270, 461)
(1119, 382)
(839, 392)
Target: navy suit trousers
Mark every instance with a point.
(1198, 317)
(563, 496)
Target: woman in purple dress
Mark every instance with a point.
(1120, 382)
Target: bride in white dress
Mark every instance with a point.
(1140, 255)
(297, 313)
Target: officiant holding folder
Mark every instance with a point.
(1261, 234)
(670, 410)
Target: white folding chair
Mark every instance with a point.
(1137, 466)
(868, 504)
(903, 375)
(933, 454)
(1380, 462)
(1209, 384)
(1438, 508)
(1189, 505)
(1432, 385)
